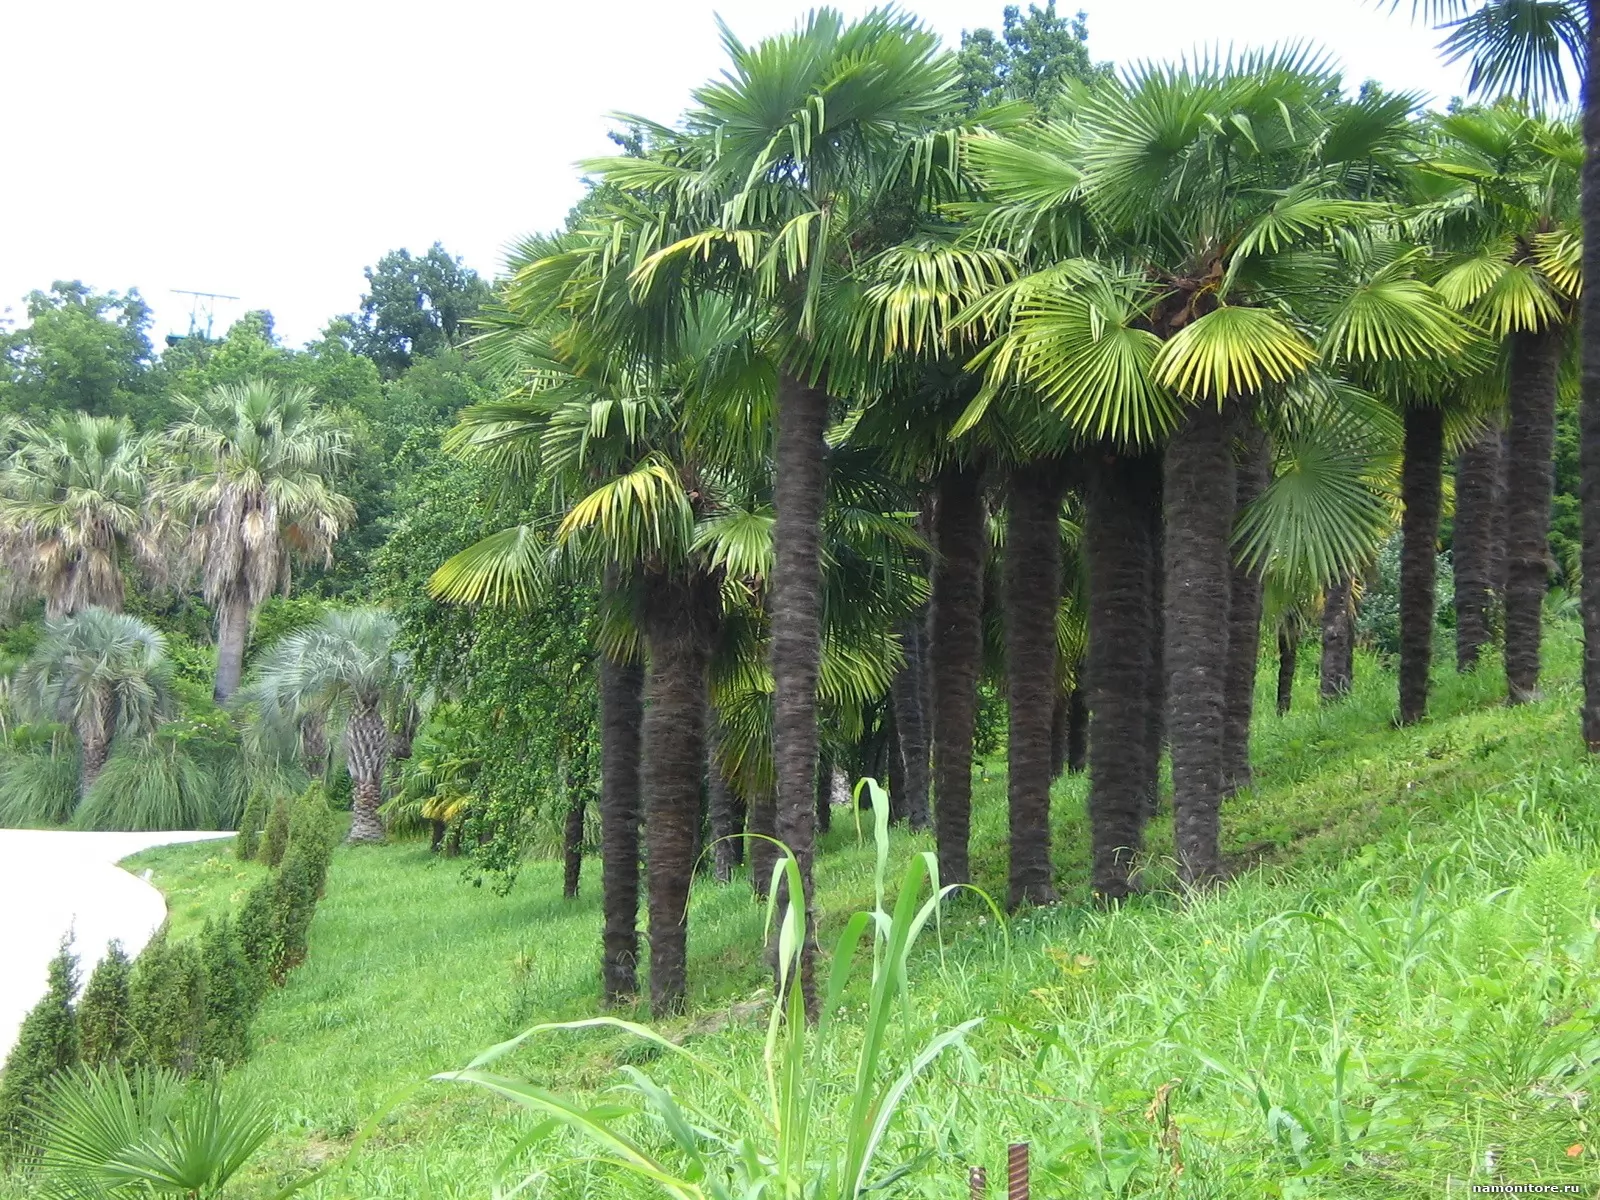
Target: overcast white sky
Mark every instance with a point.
(272, 150)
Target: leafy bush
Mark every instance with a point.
(276, 838)
(257, 931)
(106, 1132)
(294, 903)
(232, 990)
(150, 783)
(313, 833)
(38, 787)
(743, 1146)
(103, 1013)
(46, 1044)
(254, 817)
(166, 1005)
(1378, 619)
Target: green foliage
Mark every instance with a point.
(782, 1143)
(294, 903)
(276, 838)
(1378, 619)
(38, 786)
(81, 350)
(46, 1043)
(1033, 59)
(109, 1133)
(415, 306)
(251, 823)
(232, 992)
(257, 932)
(167, 1005)
(151, 783)
(104, 1020)
(313, 833)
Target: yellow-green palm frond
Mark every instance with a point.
(1232, 351)
(1559, 256)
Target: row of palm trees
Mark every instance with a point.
(1190, 333)
(232, 496)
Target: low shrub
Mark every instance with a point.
(276, 838)
(150, 783)
(103, 1022)
(46, 1044)
(232, 991)
(248, 843)
(166, 1005)
(38, 787)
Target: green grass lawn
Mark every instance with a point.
(1394, 998)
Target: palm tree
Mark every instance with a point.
(1505, 210)
(252, 490)
(1477, 543)
(1527, 49)
(103, 673)
(785, 172)
(1219, 186)
(72, 510)
(345, 666)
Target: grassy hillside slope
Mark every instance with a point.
(1395, 998)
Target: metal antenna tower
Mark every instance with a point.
(202, 304)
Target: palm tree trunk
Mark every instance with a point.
(1589, 413)
(676, 614)
(1338, 640)
(720, 803)
(1077, 730)
(1479, 470)
(763, 855)
(621, 714)
(314, 745)
(1117, 548)
(908, 693)
(1244, 623)
(955, 654)
(1059, 707)
(1420, 492)
(1149, 491)
(824, 794)
(95, 750)
(366, 751)
(233, 630)
(1032, 596)
(572, 844)
(1198, 493)
(1288, 652)
(799, 488)
(1535, 359)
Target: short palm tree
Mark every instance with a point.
(72, 510)
(103, 673)
(348, 668)
(251, 491)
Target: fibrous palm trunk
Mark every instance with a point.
(1420, 492)
(1589, 416)
(676, 615)
(366, 751)
(1479, 474)
(1338, 639)
(908, 693)
(1118, 550)
(314, 744)
(621, 714)
(1198, 495)
(955, 654)
(1288, 652)
(1155, 741)
(1032, 595)
(763, 855)
(572, 844)
(798, 490)
(722, 808)
(1535, 359)
(1077, 731)
(1244, 622)
(233, 631)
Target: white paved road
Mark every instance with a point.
(52, 881)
